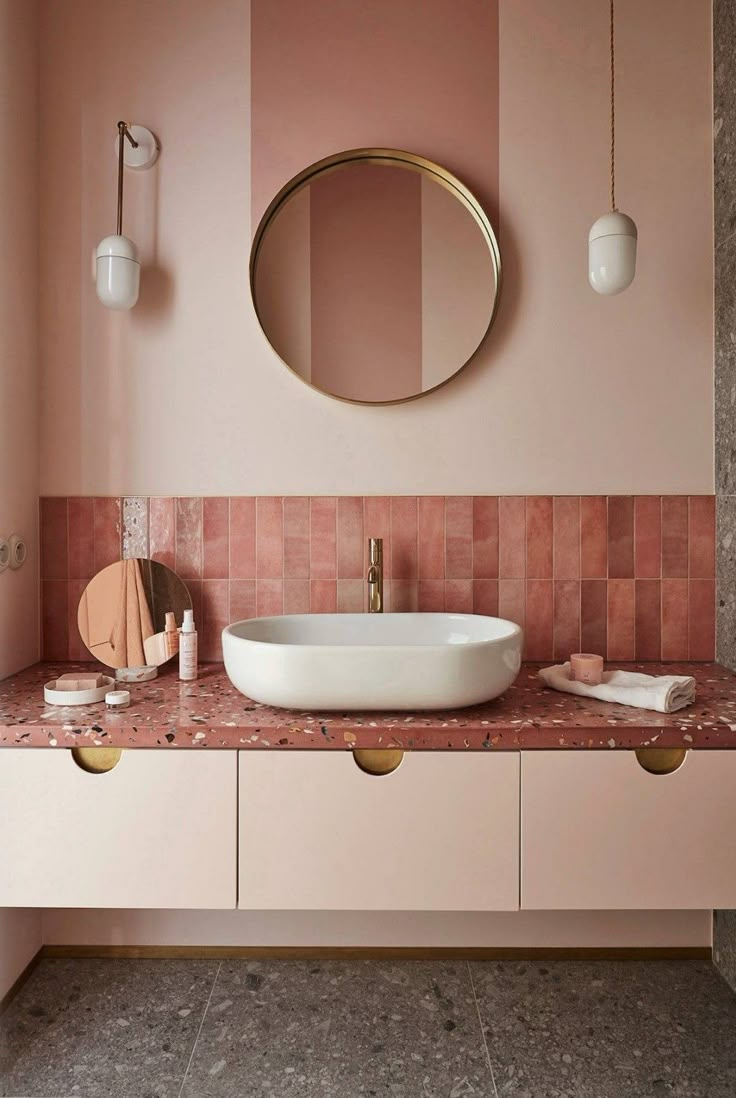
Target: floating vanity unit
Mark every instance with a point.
(198, 797)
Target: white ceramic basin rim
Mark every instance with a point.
(372, 661)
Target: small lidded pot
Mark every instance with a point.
(586, 667)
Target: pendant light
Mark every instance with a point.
(612, 238)
(117, 266)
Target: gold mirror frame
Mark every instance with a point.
(413, 163)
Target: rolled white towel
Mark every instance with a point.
(664, 693)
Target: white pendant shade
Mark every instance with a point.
(117, 272)
(612, 253)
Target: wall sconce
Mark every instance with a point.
(117, 266)
(612, 238)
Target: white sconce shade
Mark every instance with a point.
(117, 272)
(612, 253)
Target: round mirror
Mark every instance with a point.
(129, 613)
(375, 275)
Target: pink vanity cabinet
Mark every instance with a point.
(599, 832)
(440, 833)
(157, 831)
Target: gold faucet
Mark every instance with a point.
(375, 575)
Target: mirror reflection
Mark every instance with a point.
(375, 279)
(130, 612)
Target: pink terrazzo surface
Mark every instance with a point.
(210, 713)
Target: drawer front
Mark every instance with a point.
(600, 832)
(158, 830)
(440, 833)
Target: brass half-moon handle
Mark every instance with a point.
(660, 760)
(96, 760)
(378, 760)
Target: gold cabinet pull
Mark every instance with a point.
(96, 760)
(378, 761)
(660, 760)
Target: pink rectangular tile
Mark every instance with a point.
(459, 596)
(431, 596)
(621, 620)
(402, 596)
(242, 537)
(323, 596)
(566, 618)
(216, 537)
(512, 600)
(162, 530)
(108, 544)
(593, 537)
(648, 537)
(512, 537)
(702, 537)
(674, 619)
(539, 537)
(701, 625)
(55, 619)
(76, 647)
(269, 597)
(296, 537)
(296, 596)
(81, 515)
(54, 536)
(620, 537)
(485, 597)
(431, 538)
(539, 619)
(674, 537)
(567, 537)
(243, 599)
(485, 537)
(377, 524)
(188, 511)
(593, 613)
(458, 537)
(269, 537)
(648, 597)
(350, 549)
(323, 537)
(351, 596)
(404, 537)
(215, 616)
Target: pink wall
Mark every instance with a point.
(20, 930)
(19, 327)
(572, 393)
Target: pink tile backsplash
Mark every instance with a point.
(630, 577)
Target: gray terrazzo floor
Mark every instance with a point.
(430, 1029)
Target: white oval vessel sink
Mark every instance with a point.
(372, 661)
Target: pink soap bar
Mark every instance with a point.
(586, 667)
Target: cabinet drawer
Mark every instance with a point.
(599, 831)
(440, 833)
(158, 830)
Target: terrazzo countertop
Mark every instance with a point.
(211, 713)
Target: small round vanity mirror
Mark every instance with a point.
(375, 275)
(129, 613)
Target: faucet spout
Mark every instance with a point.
(375, 575)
